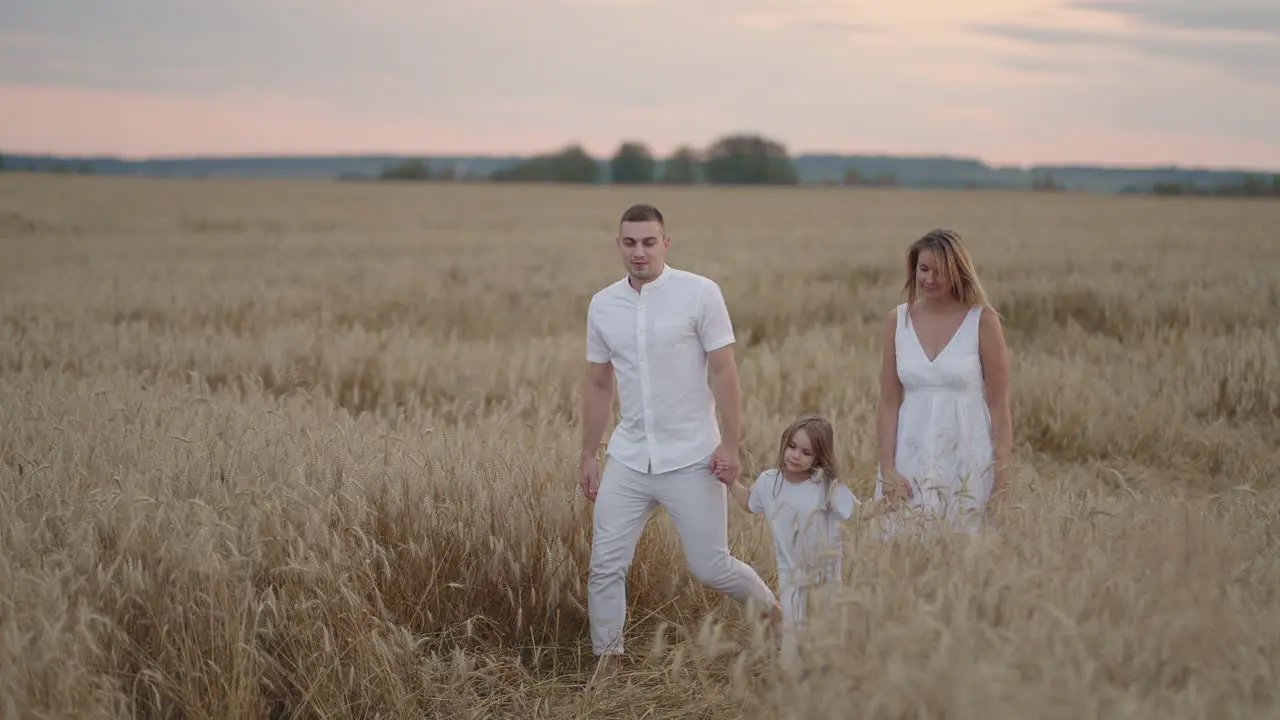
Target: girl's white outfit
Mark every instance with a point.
(943, 446)
(806, 535)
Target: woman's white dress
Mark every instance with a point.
(944, 446)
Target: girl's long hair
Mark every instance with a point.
(822, 438)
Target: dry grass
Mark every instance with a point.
(305, 450)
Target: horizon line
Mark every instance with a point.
(793, 155)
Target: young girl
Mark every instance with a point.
(803, 500)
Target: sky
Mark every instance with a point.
(1111, 82)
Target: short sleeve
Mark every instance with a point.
(714, 327)
(597, 350)
(844, 502)
(755, 499)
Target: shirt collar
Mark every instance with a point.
(667, 271)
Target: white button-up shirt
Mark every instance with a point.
(657, 340)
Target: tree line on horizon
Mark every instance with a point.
(736, 159)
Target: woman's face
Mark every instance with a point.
(932, 282)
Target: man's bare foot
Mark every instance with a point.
(607, 666)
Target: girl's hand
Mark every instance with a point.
(896, 486)
(720, 468)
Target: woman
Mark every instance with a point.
(944, 429)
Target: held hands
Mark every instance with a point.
(720, 468)
(724, 464)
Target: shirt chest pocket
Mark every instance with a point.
(674, 333)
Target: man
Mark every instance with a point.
(659, 330)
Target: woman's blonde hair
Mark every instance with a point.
(951, 252)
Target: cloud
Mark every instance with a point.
(1245, 57)
(183, 46)
(1235, 16)
(1040, 65)
(1156, 85)
(1034, 35)
(138, 124)
(1035, 77)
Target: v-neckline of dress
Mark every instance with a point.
(920, 343)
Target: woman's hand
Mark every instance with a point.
(1000, 487)
(896, 486)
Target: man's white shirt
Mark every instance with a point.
(657, 340)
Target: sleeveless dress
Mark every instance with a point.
(944, 446)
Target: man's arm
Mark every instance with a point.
(728, 394)
(597, 395)
(596, 398)
(715, 331)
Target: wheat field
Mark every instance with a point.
(274, 449)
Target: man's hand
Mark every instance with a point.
(724, 463)
(720, 468)
(590, 477)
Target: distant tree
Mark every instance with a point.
(413, 169)
(1, 162)
(632, 164)
(535, 169)
(885, 178)
(1253, 185)
(573, 164)
(1045, 182)
(852, 176)
(681, 168)
(749, 160)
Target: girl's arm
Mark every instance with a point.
(843, 502)
(995, 374)
(741, 494)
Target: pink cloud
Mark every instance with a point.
(77, 121)
(86, 122)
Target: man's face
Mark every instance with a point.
(643, 246)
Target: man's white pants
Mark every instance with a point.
(698, 506)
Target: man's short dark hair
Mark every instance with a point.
(643, 212)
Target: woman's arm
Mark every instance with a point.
(887, 411)
(995, 374)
